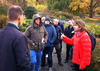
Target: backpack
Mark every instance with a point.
(93, 41)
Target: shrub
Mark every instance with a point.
(3, 21)
(40, 7)
(3, 10)
(63, 15)
(94, 29)
(56, 6)
(95, 58)
(29, 12)
(22, 28)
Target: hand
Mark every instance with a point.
(62, 36)
(81, 68)
(33, 44)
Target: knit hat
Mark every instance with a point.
(47, 19)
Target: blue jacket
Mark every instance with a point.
(13, 50)
(58, 31)
(51, 35)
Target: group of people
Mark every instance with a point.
(42, 36)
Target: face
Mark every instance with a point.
(47, 22)
(43, 20)
(37, 21)
(76, 28)
(55, 23)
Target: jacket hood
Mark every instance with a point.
(35, 16)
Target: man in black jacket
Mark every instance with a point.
(57, 41)
(68, 32)
(13, 44)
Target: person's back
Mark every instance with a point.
(13, 49)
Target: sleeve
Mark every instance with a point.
(68, 40)
(21, 54)
(62, 27)
(27, 34)
(45, 35)
(54, 34)
(65, 32)
(86, 44)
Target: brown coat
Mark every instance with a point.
(35, 35)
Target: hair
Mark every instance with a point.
(81, 25)
(13, 12)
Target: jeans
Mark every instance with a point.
(71, 52)
(47, 50)
(35, 60)
(58, 51)
(67, 51)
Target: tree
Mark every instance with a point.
(85, 6)
(93, 5)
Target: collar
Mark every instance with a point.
(14, 24)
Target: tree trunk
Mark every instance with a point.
(24, 3)
(91, 9)
(5, 3)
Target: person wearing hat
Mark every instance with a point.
(37, 37)
(49, 45)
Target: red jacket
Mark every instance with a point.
(81, 50)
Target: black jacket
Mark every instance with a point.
(13, 50)
(58, 32)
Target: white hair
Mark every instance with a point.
(43, 18)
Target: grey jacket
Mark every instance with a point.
(36, 35)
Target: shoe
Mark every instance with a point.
(60, 64)
(50, 68)
(66, 61)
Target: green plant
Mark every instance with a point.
(22, 28)
(95, 58)
(29, 12)
(3, 10)
(3, 21)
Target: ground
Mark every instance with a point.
(56, 67)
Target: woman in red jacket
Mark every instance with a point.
(82, 46)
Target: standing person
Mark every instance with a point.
(69, 34)
(13, 44)
(49, 45)
(57, 41)
(37, 37)
(82, 46)
(62, 27)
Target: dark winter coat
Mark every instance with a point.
(51, 35)
(58, 31)
(13, 50)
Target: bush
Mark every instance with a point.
(3, 10)
(3, 21)
(22, 28)
(63, 15)
(40, 7)
(95, 58)
(94, 29)
(29, 12)
(57, 6)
